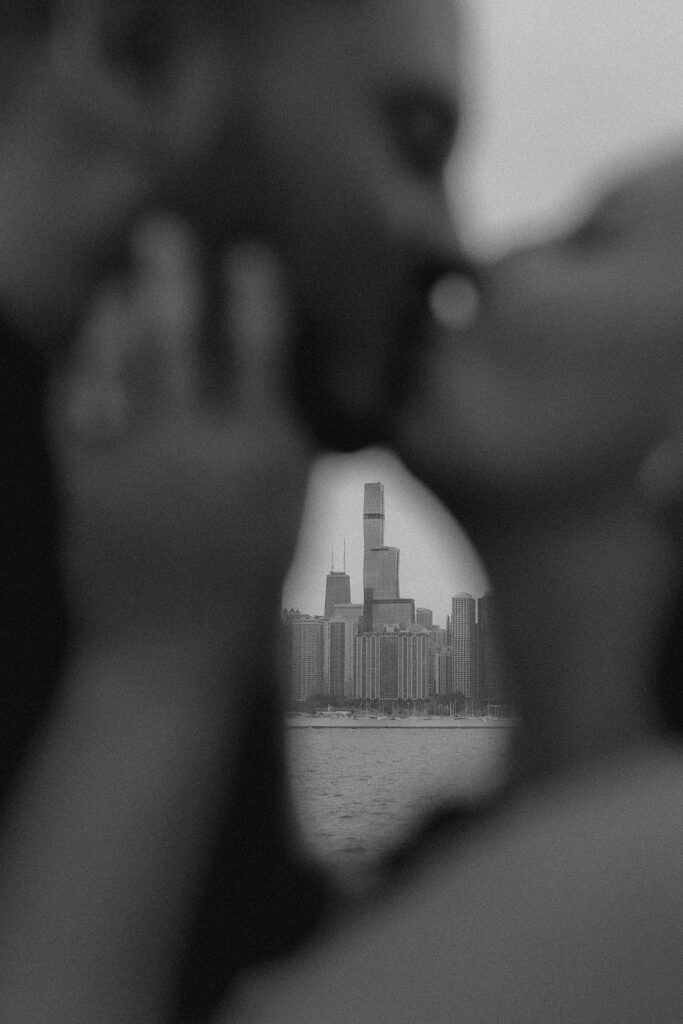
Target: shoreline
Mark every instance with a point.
(323, 722)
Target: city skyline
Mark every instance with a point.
(382, 648)
(437, 560)
(385, 648)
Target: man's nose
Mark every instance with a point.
(436, 229)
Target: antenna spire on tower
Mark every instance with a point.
(344, 554)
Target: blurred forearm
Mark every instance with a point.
(108, 837)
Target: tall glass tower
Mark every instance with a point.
(373, 517)
(380, 563)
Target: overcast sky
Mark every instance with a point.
(561, 89)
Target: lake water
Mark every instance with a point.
(358, 791)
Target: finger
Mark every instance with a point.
(166, 309)
(88, 404)
(257, 329)
(99, 349)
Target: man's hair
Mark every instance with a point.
(27, 18)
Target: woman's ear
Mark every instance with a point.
(152, 75)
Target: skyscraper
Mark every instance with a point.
(307, 657)
(337, 591)
(373, 532)
(334, 656)
(442, 673)
(340, 637)
(385, 584)
(373, 516)
(463, 642)
(380, 563)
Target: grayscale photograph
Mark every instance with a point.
(341, 651)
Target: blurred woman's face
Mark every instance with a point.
(574, 366)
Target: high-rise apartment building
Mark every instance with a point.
(414, 669)
(338, 657)
(337, 591)
(442, 674)
(307, 657)
(463, 644)
(377, 656)
(393, 666)
(335, 657)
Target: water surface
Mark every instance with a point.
(359, 791)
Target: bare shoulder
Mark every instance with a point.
(569, 909)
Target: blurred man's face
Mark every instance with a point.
(348, 116)
(322, 128)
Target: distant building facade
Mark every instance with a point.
(442, 674)
(424, 617)
(352, 615)
(338, 653)
(399, 612)
(307, 657)
(337, 591)
(348, 612)
(463, 645)
(335, 656)
(414, 676)
(393, 665)
(439, 636)
(382, 573)
(377, 665)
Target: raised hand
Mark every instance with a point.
(181, 516)
(182, 512)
